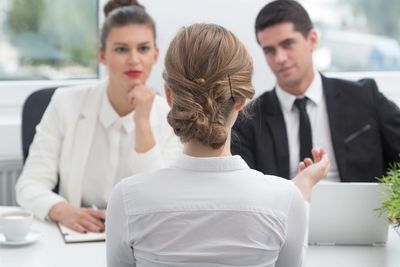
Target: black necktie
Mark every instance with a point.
(305, 133)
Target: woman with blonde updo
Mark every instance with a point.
(209, 208)
(92, 136)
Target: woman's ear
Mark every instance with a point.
(168, 96)
(239, 104)
(101, 55)
(156, 53)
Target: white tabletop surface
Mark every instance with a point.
(356, 256)
(50, 250)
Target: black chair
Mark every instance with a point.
(32, 113)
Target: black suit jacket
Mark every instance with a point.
(365, 130)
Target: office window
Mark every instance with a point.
(356, 35)
(48, 40)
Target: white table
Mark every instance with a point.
(356, 256)
(51, 251)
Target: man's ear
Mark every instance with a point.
(239, 104)
(313, 38)
(168, 95)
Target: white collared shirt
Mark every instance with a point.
(206, 212)
(110, 156)
(321, 134)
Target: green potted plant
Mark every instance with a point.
(391, 195)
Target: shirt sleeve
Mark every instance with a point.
(40, 172)
(389, 123)
(293, 251)
(149, 160)
(118, 248)
(167, 146)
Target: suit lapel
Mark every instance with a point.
(336, 114)
(83, 139)
(276, 123)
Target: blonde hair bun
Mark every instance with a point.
(197, 64)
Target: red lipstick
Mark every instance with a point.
(133, 73)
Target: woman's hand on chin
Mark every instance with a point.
(141, 98)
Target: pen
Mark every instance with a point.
(95, 208)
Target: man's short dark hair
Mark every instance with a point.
(280, 11)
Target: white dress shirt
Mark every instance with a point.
(321, 134)
(206, 212)
(111, 156)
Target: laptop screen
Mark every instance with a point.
(343, 214)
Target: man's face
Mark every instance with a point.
(289, 55)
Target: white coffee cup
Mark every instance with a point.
(15, 225)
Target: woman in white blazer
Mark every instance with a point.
(92, 136)
(209, 208)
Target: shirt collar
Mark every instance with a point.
(108, 116)
(313, 92)
(210, 164)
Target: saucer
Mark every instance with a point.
(31, 237)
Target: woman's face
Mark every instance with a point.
(129, 54)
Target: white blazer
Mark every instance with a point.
(63, 141)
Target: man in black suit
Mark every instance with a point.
(356, 125)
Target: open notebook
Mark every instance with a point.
(71, 236)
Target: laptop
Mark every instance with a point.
(343, 214)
